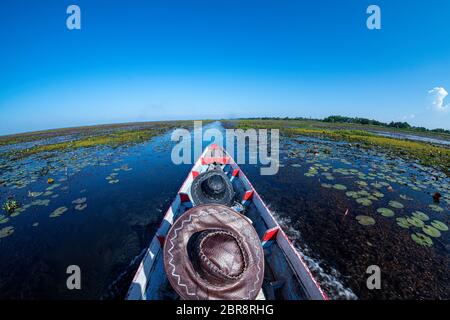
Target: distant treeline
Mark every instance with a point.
(392, 124)
(342, 119)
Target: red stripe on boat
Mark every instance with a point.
(161, 240)
(235, 173)
(220, 160)
(270, 234)
(214, 146)
(248, 195)
(184, 197)
(195, 174)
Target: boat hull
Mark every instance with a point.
(286, 277)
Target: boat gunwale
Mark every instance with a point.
(265, 214)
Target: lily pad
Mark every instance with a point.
(439, 225)
(58, 212)
(420, 215)
(34, 194)
(339, 187)
(351, 194)
(365, 220)
(396, 204)
(402, 222)
(422, 239)
(415, 222)
(363, 193)
(80, 207)
(432, 232)
(435, 208)
(3, 219)
(79, 200)
(385, 212)
(6, 231)
(378, 194)
(364, 201)
(361, 183)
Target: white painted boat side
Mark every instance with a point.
(138, 288)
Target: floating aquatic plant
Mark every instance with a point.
(16, 212)
(376, 185)
(405, 197)
(35, 224)
(420, 215)
(431, 231)
(351, 194)
(80, 207)
(386, 212)
(6, 231)
(326, 185)
(363, 193)
(365, 220)
(364, 201)
(396, 204)
(422, 239)
(11, 205)
(114, 181)
(415, 222)
(3, 219)
(439, 225)
(34, 194)
(435, 208)
(41, 202)
(361, 183)
(402, 222)
(58, 212)
(378, 194)
(79, 200)
(339, 187)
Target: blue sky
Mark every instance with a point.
(184, 59)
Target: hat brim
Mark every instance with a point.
(180, 271)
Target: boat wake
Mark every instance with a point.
(329, 281)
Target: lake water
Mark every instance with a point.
(106, 204)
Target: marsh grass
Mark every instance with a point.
(114, 139)
(426, 153)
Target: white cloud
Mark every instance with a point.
(437, 96)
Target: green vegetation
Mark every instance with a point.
(392, 124)
(428, 154)
(422, 239)
(345, 121)
(11, 205)
(92, 130)
(365, 220)
(113, 139)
